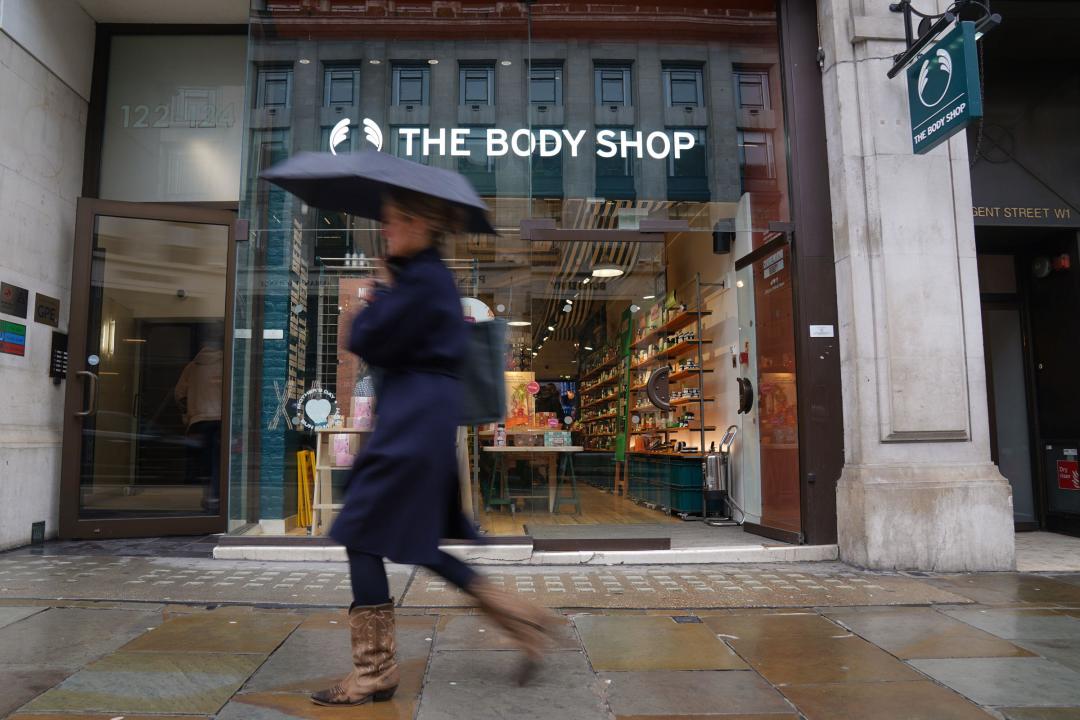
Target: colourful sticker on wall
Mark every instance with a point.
(1068, 472)
(12, 338)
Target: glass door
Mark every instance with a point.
(148, 371)
(767, 390)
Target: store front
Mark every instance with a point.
(640, 189)
(663, 263)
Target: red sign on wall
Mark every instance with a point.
(1068, 472)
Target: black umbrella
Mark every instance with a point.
(355, 183)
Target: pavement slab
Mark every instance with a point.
(1065, 651)
(477, 632)
(233, 630)
(70, 637)
(1021, 623)
(652, 642)
(810, 660)
(480, 685)
(101, 716)
(23, 684)
(915, 700)
(758, 626)
(13, 614)
(1040, 713)
(1007, 682)
(314, 658)
(911, 633)
(140, 682)
(690, 586)
(1010, 589)
(720, 693)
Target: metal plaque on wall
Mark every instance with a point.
(46, 310)
(13, 300)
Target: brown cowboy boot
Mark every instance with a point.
(375, 671)
(528, 625)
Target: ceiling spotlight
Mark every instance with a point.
(567, 307)
(505, 63)
(607, 270)
(551, 328)
(535, 354)
(432, 61)
(373, 61)
(305, 61)
(648, 297)
(634, 308)
(739, 283)
(569, 302)
(519, 323)
(586, 281)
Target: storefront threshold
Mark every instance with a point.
(518, 553)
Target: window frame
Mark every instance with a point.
(464, 69)
(556, 68)
(627, 72)
(763, 75)
(702, 140)
(329, 70)
(397, 141)
(396, 70)
(260, 85)
(668, 75)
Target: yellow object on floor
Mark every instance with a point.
(305, 479)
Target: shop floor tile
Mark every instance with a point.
(919, 700)
(652, 643)
(1011, 682)
(701, 693)
(143, 682)
(925, 633)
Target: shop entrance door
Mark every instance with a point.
(769, 462)
(146, 404)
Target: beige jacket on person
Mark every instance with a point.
(198, 392)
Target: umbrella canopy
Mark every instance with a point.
(355, 183)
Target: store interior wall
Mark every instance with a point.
(46, 50)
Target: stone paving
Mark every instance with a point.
(141, 637)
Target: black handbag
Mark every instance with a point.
(482, 381)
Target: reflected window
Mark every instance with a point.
(545, 84)
(400, 146)
(411, 84)
(684, 86)
(688, 175)
(615, 175)
(547, 172)
(478, 166)
(753, 89)
(613, 84)
(274, 86)
(341, 85)
(756, 155)
(477, 83)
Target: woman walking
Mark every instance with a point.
(403, 495)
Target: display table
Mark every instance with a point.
(554, 455)
(322, 504)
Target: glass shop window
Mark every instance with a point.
(341, 85)
(684, 86)
(411, 84)
(274, 88)
(546, 84)
(612, 84)
(477, 83)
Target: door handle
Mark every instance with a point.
(746, 396)
(93, 394)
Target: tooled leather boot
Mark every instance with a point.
(375, 673)
(528, 625)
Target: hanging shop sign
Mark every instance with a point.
(522, 142)
(943, 88)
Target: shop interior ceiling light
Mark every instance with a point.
(607, 270)
(519, 323)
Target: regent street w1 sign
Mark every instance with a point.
(522, 142)
(943, 88)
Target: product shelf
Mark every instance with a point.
(656, 431)
(686, 374)
(597, 370)
(676, 323)
(598, 418)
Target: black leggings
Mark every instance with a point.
(368, 576)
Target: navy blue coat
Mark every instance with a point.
(402, 496)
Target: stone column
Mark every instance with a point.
(918, 490)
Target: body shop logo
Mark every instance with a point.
(523, 142)
(340, 133)
(935, 77)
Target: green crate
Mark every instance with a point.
(686, 473)
(685, 500)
